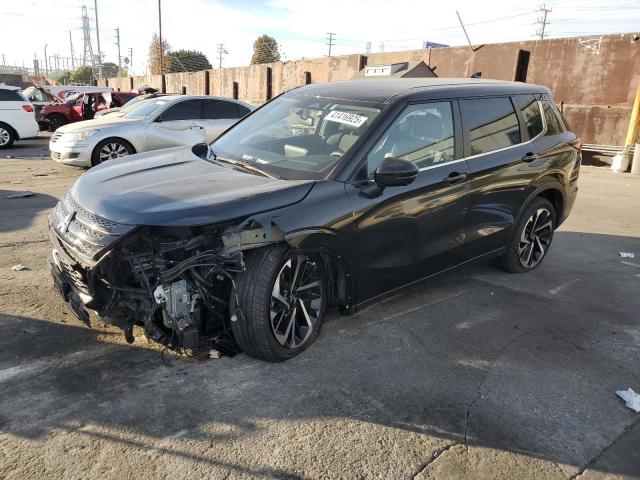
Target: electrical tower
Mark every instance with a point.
(330, 41)
(542, 21)
(87, 51)
(221, 52)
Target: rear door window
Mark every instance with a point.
(219, 109)
(491, 124)
(554, 124)
(530, 109)
(187, 110)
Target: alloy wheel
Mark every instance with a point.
(535, 238)
(113, 150)
(5, 137)
(296, 301)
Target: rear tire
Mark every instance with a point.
(56, 121)
(531, 238)
(282, 311)
(7, 136)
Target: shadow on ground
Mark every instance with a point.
(19, 213)
(520, 363)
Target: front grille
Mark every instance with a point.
(74, 274)
(56, 137)
(84, 232)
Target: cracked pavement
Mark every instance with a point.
(473, 374)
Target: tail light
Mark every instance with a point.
(577, 144)
(27, 108)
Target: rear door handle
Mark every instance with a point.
(529, 157)
(455, 177)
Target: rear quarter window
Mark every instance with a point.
(530, 109)
(552, 117)
(491, 124)
(11, 96)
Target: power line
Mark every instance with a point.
(330, 41)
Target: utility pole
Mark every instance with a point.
(160, 33)
(542, 21)
(118, 44)
(221, 52)
(95, 5)
(381, 46)
(46, 62)
(130, 60)
(3, 59)
(330, 41)
(73, 62)
(367, 48)
(465, 31)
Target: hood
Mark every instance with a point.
(173, 187)
(97, 123)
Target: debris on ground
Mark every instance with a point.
(20, 195)
(631, 398)
(627, 255)
(19, 267)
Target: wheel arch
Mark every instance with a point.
(111, 138)
(13, 130)
(552, 191)
(329, 244)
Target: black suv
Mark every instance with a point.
(328, 195)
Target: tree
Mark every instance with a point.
(82, 75)
(265, 50)
(64, 79)
(154, 56)
(110, 70)
(188, 61)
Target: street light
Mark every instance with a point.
(46, 62)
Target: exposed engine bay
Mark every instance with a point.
(176, 282)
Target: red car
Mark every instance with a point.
(83, 106)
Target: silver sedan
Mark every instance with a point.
(155, 123)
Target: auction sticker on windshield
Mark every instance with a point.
(350, 119)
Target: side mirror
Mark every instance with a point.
(395, 172)
(201, 150)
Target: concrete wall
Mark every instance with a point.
(594, 79)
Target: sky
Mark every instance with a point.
(299, 26)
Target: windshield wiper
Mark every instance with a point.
(244, 165)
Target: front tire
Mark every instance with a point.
(55, 121)
(282, 295)
(109, 149)
(531, 238)
(7, 136)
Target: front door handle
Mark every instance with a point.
(529, 157)
(455, 177)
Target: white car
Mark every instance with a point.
(17, 117)
(155, 123)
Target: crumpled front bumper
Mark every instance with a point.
(75, 299)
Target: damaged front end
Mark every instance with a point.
(176, 282)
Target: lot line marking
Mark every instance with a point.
(629, 263)
(558, 289)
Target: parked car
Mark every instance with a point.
(330, 194)
(17, 116)
(82, 106)
(61, 92)
(40, 97)
(155, 123)
(130, 104)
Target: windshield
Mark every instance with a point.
(297, 137)
(146, 108)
